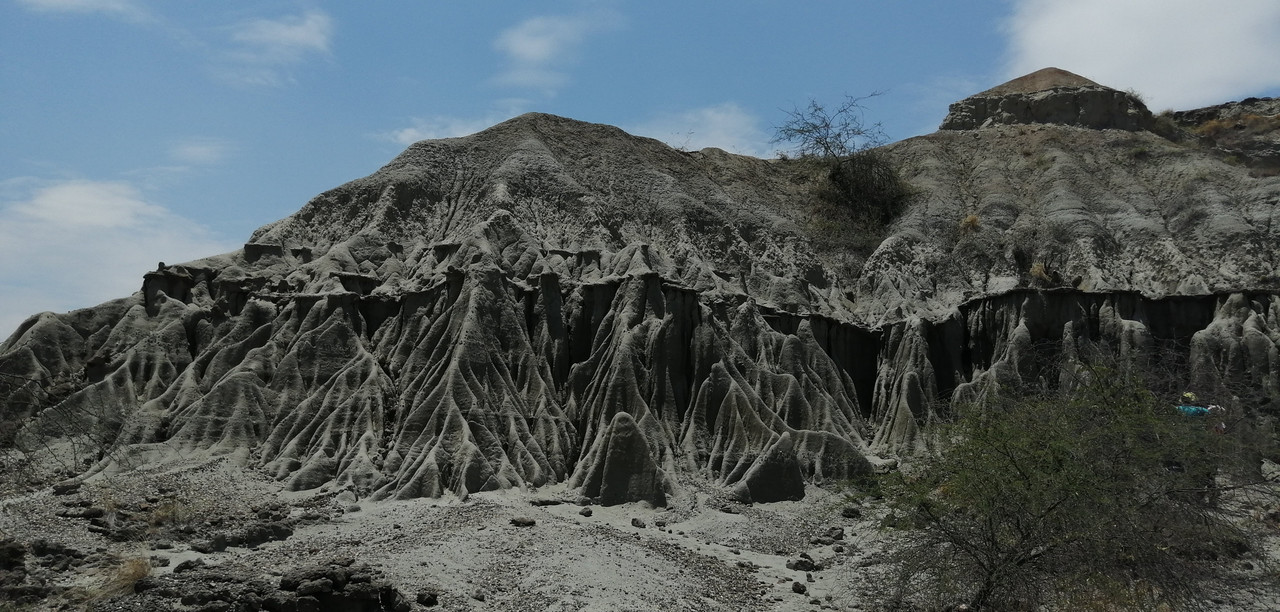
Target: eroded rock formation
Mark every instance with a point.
(1050, 95)
(550, 300)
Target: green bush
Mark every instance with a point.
(1103, 494)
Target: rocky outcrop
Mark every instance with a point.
(619, 467)
(1243, 133)
(551, 301)
(535, 304)
(1222, 346)
(1052, 96)
(774, 476)
(1231, 110)
(337, 585)
(1059, 207)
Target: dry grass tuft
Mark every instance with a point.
(1040, 272)
(126, 575)
(171, 512)
(1248, 123)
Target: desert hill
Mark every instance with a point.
(550, 300)
(569, 313)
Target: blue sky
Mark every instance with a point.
(135, 131)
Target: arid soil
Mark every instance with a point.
(210, 536)
(702, 552)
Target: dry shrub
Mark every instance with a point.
(171, 512)
(970, 224)
(124, 577)
(1165, 126)
(1040, 272)
(860, 180)
(1249, 123)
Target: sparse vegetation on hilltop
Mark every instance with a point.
(860, 191)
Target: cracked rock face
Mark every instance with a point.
(550, 301)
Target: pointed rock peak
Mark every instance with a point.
(620, 467)
(1040, 80)
(548, 125)
(1050, 95)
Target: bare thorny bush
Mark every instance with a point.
(43, 438)
(859, 191)
(1097, 494)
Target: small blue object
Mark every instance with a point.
(1193, 410)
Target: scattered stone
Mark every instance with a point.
(523, 521)
(316, 587)
(637, 522)
(428, 599)
(93, 512)
(802, 565)
(188, 565)
(215, 606)
(345, 498)
(851, 512)
(585, 512)
(799, 587)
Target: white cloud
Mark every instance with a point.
(200, 151)
(118, 8)
(87, 204)
(444, 126)
(265, 47)
(726, 126)
(436, 127)
(1177, 53)
(287, 39)
(542, 40)
(930, 100)
(73, 244)
(538, 49)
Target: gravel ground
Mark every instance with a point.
(701, 553)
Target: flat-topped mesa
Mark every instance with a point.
(1050, 95)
